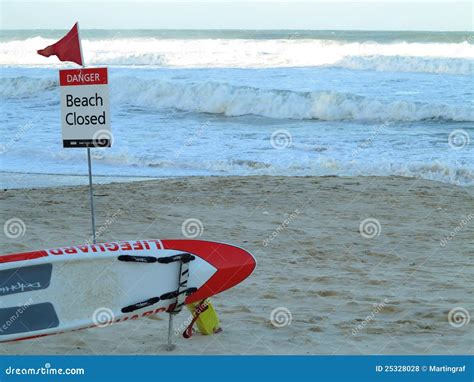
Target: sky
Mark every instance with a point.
(203, 14)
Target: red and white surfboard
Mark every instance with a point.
(63, 289)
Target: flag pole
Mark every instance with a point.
(89, 160)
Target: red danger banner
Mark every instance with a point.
(89, 76)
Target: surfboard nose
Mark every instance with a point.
(233, 264)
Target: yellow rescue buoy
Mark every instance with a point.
(205, 317)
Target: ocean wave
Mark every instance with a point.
(234, 101)
(409, 64)
(229, 100)
(453, 58)
(19, 87)
(435, 170)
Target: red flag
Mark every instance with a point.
(66, 49)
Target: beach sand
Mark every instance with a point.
(386, 291)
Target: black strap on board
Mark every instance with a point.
(182, 257)
(183, 277)
(179, 294)
(137, 259)
(140, 305)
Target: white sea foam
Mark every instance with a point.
(153, 140)
(432, 170)
(409, 64)
(18, 87)
(221, 98)
(232, 101)
(450, 58)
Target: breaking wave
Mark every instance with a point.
(229, 100)
(409, 64)
(434, 170)
(25, 86)
(232, 101)
(449, 58)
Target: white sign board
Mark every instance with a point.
(85, 114)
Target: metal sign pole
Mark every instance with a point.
(91, 194)
(170, 346)
(89, 160)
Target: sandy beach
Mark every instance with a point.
(341, 284)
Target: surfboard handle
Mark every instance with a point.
(182, 257)
(154, 300)
(184, 260)
(137, 259)
(140, 305)
(176, 293)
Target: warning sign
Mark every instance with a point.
(85, 114)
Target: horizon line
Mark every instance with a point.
(245, 29)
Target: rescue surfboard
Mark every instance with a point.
(71, 288)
